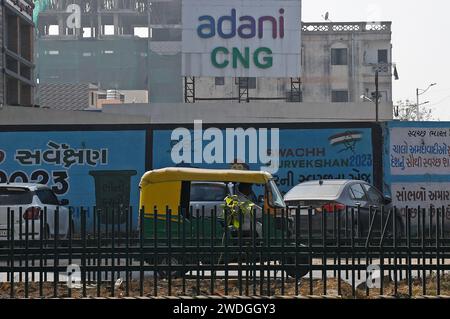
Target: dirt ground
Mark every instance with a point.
(203, 288)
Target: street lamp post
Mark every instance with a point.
(420, 92)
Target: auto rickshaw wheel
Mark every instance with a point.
(165, 273)
(302, 267)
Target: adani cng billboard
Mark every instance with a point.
(242, 38)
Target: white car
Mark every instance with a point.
(30, 204)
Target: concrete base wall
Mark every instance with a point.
(226, 112)
(17, 115)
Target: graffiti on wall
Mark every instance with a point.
(93, 168)
(417, 164)
(416, 151)
(304, 155)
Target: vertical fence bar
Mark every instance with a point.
(99, 250)
(269, 255)
(254, 258)
(408, 239)
(297, 245)
(240, 217)
(424, 261)
(197, 254)
(381, 253)
(443, 218)
(310, 250)
(33, 238)
(203, 237)
(27, 235)
(105, 210)
(112, 247)
(394, 232)
(358, 237)
(141, 251)
(283, 239)
(156, 256)
(70, 244)
(46, 240)
(183, 234)
(55, 252)
(95, 236)
(12, 250)
(438, 272)
(213, 239)
(180, 257)
(129, 214)
(169, 249)
(120, 212)
(419, 239)
(20, 243)
(8, 240)
(339, 252)
(225, 244)
(83, 255)
(262, 252)
(353, 250)
(324, 244)
(41, 255)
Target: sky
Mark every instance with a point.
(420, 39)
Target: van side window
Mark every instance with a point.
(208, 192)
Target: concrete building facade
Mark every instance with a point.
(16, 56)
(120, 45)
(339, 61)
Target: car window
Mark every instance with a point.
(315, 191)
(373, 194)
(357, 192)
(47, 197)
(15, 196)
(204, 192)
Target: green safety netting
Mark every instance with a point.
(39, 6)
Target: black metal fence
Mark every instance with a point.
(351, 252)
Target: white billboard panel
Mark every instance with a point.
(242, 38)
(419, 151)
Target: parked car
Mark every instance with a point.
(30, 204)
(343, 198)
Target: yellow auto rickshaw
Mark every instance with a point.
(187, 207)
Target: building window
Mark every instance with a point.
(219, 80)
(382, 56)
(251, 82)
(339, 96)
(339, 57)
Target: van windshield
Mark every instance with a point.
(276, 199)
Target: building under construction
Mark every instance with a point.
(118, 44)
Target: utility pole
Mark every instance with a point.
(418, 106)
(419, 92)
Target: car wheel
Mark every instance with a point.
(300, 271)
